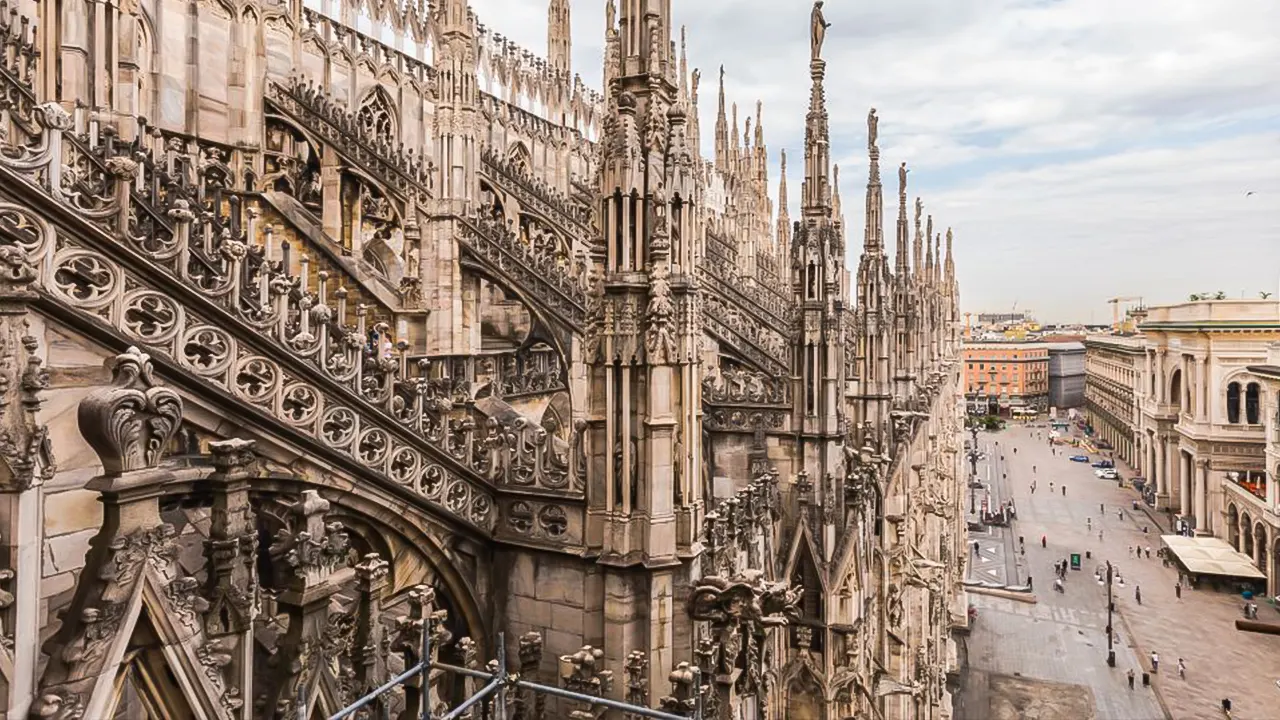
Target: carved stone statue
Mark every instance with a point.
(817, 31)
(902, 179)
(873, 131)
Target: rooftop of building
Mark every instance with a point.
(1118, 341)
(1226, 314)
(1003, 345)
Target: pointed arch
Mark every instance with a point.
(376, 117)
(518, 154)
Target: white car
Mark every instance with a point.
(1107, 474)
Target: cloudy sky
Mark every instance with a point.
(1081, 149)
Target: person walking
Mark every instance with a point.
(1130, 551)
(1155, 662)
(1130, 676)
(1102, 509)
(1148, 552)
(1088, 523)
(1099, 536)
(1137, 593)
(1050, 486)
(1177, 590)
(1182, 670)
(1064, 490)
(1044, 541)
(975, 547)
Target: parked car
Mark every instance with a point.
(1079, 458)
(1104, 464)
(1107, 474)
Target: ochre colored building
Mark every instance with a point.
(1000, 377)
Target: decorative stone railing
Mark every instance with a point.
(546, 275)
(162, 254)
(746, 387)
(758, 344)
(536, 195)
(401, 171)
(737, 400)
(525, 373)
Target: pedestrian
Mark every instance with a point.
(1155, 662)
(1119, 514)
(1088, 523)
(1137, 593)
(1148, 552)
(1130, 551)
(975, 547)
(1044, 541)
(1064, 491)
(1182, 670)
(1099, 536)
(1050, 486)
(1033, 488)
(1102, 509)
(1130, 675)
(1177, 590)
(1033, 469)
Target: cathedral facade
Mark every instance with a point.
(339, 337)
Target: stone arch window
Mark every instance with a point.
(1233, 403)
(520, 158)
(376, 118)
(1252, 397)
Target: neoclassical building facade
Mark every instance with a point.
(1112, 366)
(1204, 404)
(333, 331)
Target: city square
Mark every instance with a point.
(1060, 638)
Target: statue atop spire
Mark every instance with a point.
(902, 186)
(815, 191)
(873, 129)
(817, 31)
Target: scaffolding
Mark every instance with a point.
(497, 686)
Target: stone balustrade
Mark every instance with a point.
(189, 276)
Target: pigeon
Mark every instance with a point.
(1248, 193)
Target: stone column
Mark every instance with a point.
(1162, 479)
(331, 194)
(1185, 483)
(1203, 525)
(26, 462)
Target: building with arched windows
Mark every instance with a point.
(1191, 403)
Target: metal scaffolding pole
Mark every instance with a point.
(501, 681)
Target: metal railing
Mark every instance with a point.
(500, 682)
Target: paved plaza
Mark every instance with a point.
(1059, 642)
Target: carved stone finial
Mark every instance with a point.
(233, 454)
(130, 423)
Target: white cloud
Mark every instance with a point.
(1035, 127)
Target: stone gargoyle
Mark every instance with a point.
(749, 599)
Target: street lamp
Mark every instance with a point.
(1111, 652)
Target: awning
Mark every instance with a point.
(1211, 556)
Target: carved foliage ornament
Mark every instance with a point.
(129, 424)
